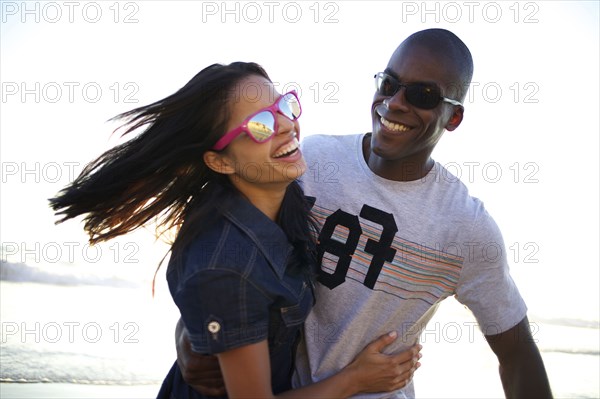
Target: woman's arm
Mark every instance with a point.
(201, 372)
(247, 372)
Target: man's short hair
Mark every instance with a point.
(448, 45)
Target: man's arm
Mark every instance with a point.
(201, 372)
(522, 370)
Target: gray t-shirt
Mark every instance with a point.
(391, 252)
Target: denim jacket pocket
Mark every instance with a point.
(291, 318)
(296, 314)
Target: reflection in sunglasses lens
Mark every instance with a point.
(262, 126)
(289, 106)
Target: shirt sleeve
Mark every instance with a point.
(485, 285)
(222, 310)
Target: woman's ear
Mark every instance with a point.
(219, 162)
(455, 119)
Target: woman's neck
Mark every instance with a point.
(266, 198)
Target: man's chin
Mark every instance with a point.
(377, 147)
(385, 149)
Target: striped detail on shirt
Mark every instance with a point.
(416, 272)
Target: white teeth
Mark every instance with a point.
(394, 126)
(290, 147)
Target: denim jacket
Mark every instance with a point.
(233, 287)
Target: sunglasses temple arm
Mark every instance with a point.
(453, 102)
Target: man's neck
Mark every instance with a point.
(411, 169)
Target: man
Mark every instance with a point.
(398, 235)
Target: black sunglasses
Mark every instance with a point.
(421, 95)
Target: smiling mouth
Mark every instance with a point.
(287, 149)
(394, 127)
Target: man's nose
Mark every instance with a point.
(397, 102)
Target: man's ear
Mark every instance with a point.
(219, 162)
(455, 119)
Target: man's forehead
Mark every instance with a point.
(413, 61)
(415, 54)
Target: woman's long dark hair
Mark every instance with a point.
(160, 175)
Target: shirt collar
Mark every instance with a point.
(268, 237)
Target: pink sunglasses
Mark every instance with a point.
(262, 125)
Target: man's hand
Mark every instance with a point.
(201, 372)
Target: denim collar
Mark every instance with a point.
(268, 237)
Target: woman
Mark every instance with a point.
(217, 161)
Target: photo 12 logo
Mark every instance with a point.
(454, 332)
(53, 12)
(37, 172)
(493, 92)
(71, 332)
(69, 252)
(69, 92)
(470, 11)
(488, 172)
(326, 92)
(270, 11)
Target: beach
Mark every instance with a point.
(105, 341)
(84, 338)
(64, 390)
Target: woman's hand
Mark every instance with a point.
(374, 371)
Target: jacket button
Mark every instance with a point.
(214, 327)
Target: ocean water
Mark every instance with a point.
(67, 324)
(85, 328)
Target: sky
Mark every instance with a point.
(528, 145)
